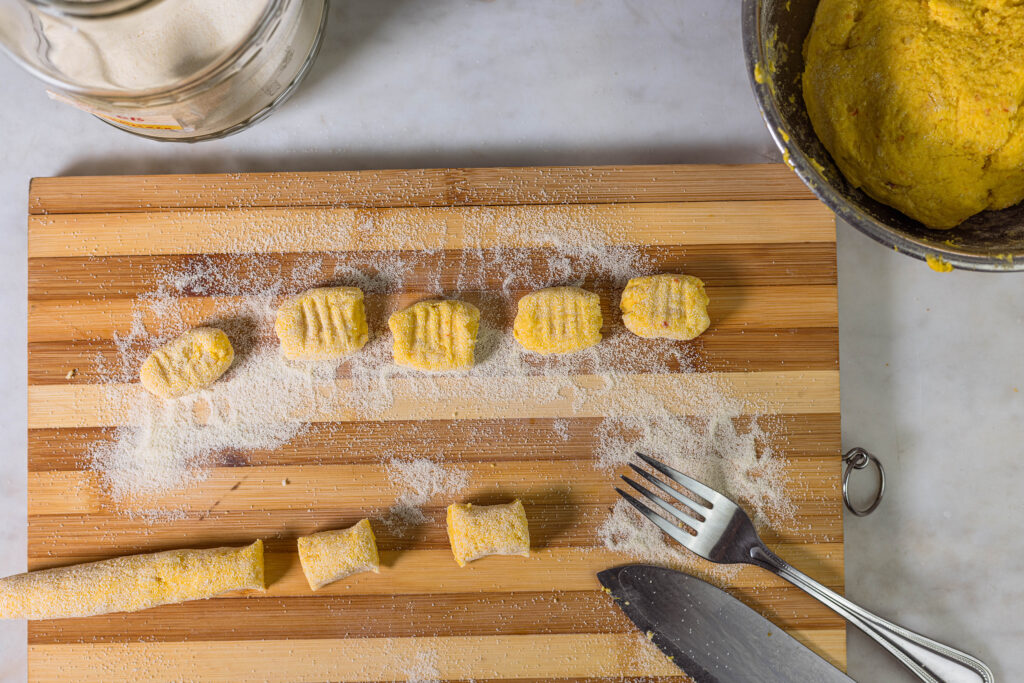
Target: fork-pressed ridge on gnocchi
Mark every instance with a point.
(558, 320)
(193, 361)
(435, 335)
(670, 306)
(322, 323)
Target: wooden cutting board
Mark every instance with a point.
(763, 244)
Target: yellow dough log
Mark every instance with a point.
(667, 306)
(558, 320)
(323, 323)
(131, 583)
(329, 556)
(919, 103)
(436, 335)
(477, 531)
(193, 361)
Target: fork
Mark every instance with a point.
(719, 530)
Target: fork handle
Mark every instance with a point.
(930, 660)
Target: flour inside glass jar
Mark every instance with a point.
(155, 46)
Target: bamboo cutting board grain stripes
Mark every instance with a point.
(763, 244)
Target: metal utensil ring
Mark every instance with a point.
(857, 459)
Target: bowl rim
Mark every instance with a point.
(849, 212)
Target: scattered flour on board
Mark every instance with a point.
(422, 479)
(423, 668)
(647, 390)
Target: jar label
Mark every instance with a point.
(152, 121)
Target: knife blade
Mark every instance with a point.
(710, 635)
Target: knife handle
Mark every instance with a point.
(930, 660)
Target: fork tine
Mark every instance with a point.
(678, 477)
(691, 521)
(693, 506)
(684, 539)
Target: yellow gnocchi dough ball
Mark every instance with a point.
(919, 103)
(435, 335)
(667, 306)
(558, 320)
(329, 556)
(476, 531)
(323, 323)
(191, 362)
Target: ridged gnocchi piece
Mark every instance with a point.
(329, 556)
(476, 531)
(322, 323)
(193, 361)
(132, 583)
(435, 335)
(558, 320)
(667, 306)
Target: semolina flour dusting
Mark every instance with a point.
(647, 395)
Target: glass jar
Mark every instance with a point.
(185, 70)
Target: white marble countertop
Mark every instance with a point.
(931, 363)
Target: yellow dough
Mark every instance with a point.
(324, 323)
(558, 320)
(435, 335)
(191, 362)
(668, 306)
(132, 583)
(919, 101)
(476, 531)
(329, 556)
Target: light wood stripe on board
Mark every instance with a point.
(340, 229)
(419, 187)
(349, 486)
(544, 657)
(91, 405)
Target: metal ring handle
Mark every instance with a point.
(858, 459)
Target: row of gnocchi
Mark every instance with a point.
(136, 582)
(436, 335)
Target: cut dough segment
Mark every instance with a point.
(476, 531)
(323, 323)
(436, 335)
(332, 555)
(668, 306)
(132, 583)
(191, 362)
(558, 320)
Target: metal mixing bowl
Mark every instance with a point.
(773, 38)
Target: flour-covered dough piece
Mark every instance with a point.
(132, 583)
(332, 555)
(323, 323)
(558, 320)
(191, 362)
(476, 531)
(436, 335)
(668, 306)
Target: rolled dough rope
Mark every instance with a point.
(476, 531)
(329, 556)
(132, 583)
